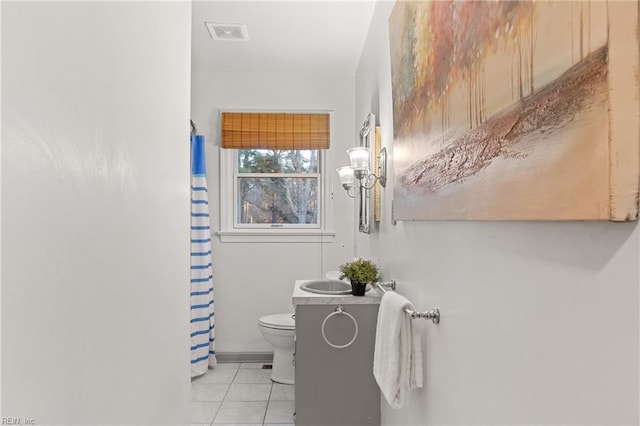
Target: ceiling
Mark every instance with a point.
(295, 36)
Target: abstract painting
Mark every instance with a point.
(501, 111)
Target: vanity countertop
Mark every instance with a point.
(301, 297)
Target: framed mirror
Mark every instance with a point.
(367, 139)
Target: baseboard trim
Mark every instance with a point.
(226, 357)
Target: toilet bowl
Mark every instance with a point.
(279, 330)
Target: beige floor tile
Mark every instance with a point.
(241, 412)
(235, 365)
(249, 392)
(281, 392)
(252, 364)
(252, 375)
(209, 391)
(280, 412)
(204, 412)
(217, 375)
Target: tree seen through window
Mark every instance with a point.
(277, 186)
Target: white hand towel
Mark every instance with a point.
(397, 359)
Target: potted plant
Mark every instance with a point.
(360, 272)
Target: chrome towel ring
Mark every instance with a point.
(339, 311)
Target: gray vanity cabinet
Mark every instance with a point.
(335, 386)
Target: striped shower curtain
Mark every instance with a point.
(202, 319)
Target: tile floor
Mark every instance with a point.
(240, 394)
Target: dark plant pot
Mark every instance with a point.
(358, 289)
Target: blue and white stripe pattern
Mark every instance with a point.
(203, 354)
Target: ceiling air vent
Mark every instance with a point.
(227, 32)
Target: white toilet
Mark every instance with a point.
(279, 330)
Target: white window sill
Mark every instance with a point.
(280, 236)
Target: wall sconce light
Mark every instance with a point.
(359, 169)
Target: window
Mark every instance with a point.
(277, 188)
(269, 191)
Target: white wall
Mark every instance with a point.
(0, 210)
(540, 321)
(95, 219)
(256, 279)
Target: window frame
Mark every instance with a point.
(231, 231)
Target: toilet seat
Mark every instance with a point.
(278, 321)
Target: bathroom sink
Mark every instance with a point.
(327, 287)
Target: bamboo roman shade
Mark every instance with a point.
(252, 130)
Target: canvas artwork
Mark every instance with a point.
(501, 110)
